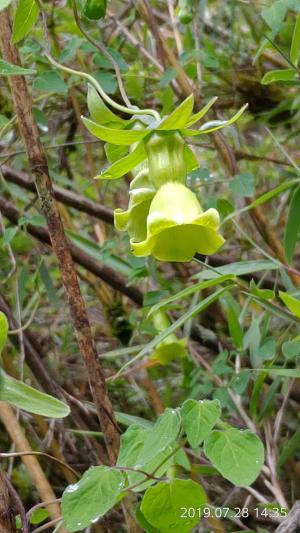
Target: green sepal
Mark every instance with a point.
(179, 117)
(214, 125)
(114, 136)
(124, 165)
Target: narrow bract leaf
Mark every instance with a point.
(179, 117)
(25, 17)
(238, 455)
(198, 116)
(124, 165)
(198, 419)
(3, 330)
(293, 226)
(287, 74)
(9, 69)
(114, 136)
(29, 399)
(294, 51)
(86, 501)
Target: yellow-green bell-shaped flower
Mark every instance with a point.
(177, 227)
(171, 347)
(134, 219)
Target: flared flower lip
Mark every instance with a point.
(204, 227)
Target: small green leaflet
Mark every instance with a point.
(8, 69)
(124, 165)
(25, 17)
(162, 505)
(3, 330)
(238, 455)
(198, 419)
(287, 74)
(294, 51)
(179, 117)
(114, 136)
(29, 399)
(97, 491)
(293, 225)
(292, 303)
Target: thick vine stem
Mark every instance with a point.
(38, 163)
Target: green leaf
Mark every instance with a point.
(287, 74)
(163, 505)
(294, 51)
(266, 294)
(3, 330)
(180, 321)
(179, 117)
(293, 225)
(274, 309)
(25, 17)
(214, 125)
(289, 448)
(8, 69)
(190, 159)
(164, 432)
(292, 303)
(240, 268)
(168, 76)
(107, 81)
(275, 14)
(190, 290)
(283, 372)
(243, 184)
(198, 419)
(131, 456)
(124, 165)
(270, 194)
(29, 399)
(238, 455)
(38, 516)
(291, 349)
(233, 312)
(86, 501)
(114, 136)
(198, 116)
(51, 81)
(4, 4)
